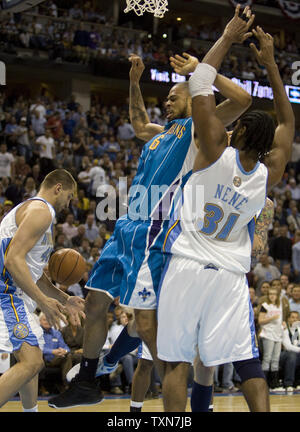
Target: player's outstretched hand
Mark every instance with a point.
(54, 312)
(137, 67)
(185, 64)
(237, 30)
(265, 55)
(75, 310)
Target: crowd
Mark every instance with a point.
(83, 35)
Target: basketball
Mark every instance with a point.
(66, 266)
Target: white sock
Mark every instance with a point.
(34, 409)
(211, 407)
(136, 404)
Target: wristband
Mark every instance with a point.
(200, 83)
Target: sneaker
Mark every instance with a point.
(297, 388)
(290, 389)
(278, 389)
(218, 389)
(116, 391)
(73, 372)
(79, 393)
(232, 389)
(105, 368)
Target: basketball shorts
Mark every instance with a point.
(206, 306)
(131, 264)
(144, 352)
(18, 324)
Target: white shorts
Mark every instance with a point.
(208, 307)
(18, 324)
(144, 352)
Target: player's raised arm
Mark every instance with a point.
(281, 149)
(237, 99)
(30, 229)
(261, 229)
(139, 118)
(209, 128)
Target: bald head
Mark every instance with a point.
(183, 88)
(179, 102)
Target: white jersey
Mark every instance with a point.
(36, 258)
(218, 227)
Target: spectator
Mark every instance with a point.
(294, 188)
(296, 256)
(83, 201)
(91, 229)
(264, 271)
(282, 247)
(21, 133)
(270, 321)
(55, 351)
(295, 299)
(97, 176)
(294, 217)
(73, 337)
(85, 248)
(284, 284)
(7, 162)
(15, 191)
(125, 130)
(22, 168)
(47, 152)
(38, 106)
(227, 379)
(61, 242)
(77, 239)
(290, 355)
(30, 187)
(69, 229)
(55, 125)
(79, 215)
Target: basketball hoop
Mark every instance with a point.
(157, 7)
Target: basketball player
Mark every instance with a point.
(132, 261)
(199, 402)
(26, 243)
(204, 278)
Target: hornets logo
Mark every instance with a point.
(21, 331)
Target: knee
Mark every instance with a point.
(145, 366)
(292, 356)
(203, 375)
(96, 305)
(35, 365)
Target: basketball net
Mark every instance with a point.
(157, 7)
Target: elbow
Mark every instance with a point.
(9, 263)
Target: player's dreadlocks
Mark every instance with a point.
(260, 130)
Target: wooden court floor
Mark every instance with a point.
(228, 403)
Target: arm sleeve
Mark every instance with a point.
(287, 344)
